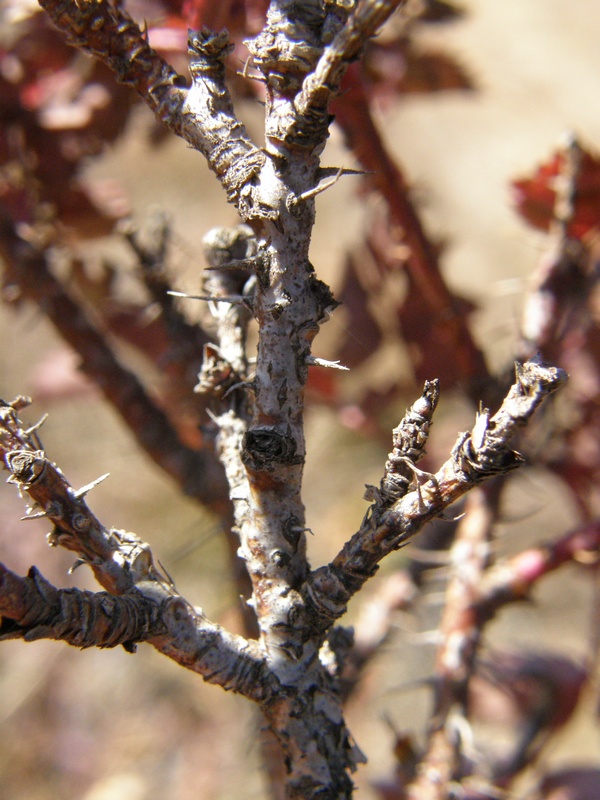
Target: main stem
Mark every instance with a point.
(304, 708)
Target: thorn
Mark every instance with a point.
(249, 385)
(312, 361)
(244, 73)
(78, 563)
(212, 416)
(88, 487)
(445, 518)
(235, 299)
(258, 78)
(294, 200)
(327, 172)
(169, 578)
(236, 264)
(421, 505)
(299, 529)
(38, 515)
(37, 426)
(420, 475)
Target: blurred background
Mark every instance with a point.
(106, 725)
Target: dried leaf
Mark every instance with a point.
(535, 196)
(398, 66)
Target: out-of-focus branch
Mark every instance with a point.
(459, 634)
(353, 114)
(373, 627)
(512, 580)
(560, 322)
(475, 594)
(478, 455)
(149, 241)
(225, 378)
(198, 473)
(560, 288)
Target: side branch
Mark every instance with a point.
(148, 607)
(477, 456)
(32, 608)
(118, 558)
(321, 85)
(209, 116)
(202, 115)
(111, 35)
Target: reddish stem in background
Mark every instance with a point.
(353, 114)
(198, 473)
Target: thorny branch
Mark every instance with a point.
(476, 592)
(31, 608)
(202, 115)
(123, 562)
(478, 455)
(459, 634)
(292, 670)
(152, 609)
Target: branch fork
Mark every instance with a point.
(303, 53)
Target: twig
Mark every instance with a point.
(110, 34)
(31, 608)
(477, 456)
(148, 607)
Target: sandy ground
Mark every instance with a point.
(537, 64)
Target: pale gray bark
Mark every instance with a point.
(292, 669)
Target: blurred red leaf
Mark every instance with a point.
(399, 67)
(59, 110)
(535, 197)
